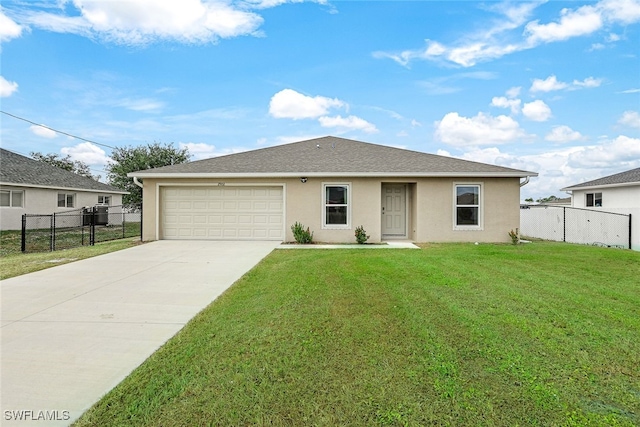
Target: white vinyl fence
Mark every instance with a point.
(574, 225)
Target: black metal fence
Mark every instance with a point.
(81, 227)
(575, 225)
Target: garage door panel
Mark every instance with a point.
(222, 212)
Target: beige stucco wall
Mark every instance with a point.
(430, 204)
(45, 201)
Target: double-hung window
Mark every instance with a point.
(594, 199)
(336, 205)
(11, 198)
(468, 206)
(66, 200)
(104, 200)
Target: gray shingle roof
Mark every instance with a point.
(332, 156)
(628, 177)
(23, 171)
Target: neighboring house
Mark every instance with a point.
(619, 193)
(332, 185)
(29, 186)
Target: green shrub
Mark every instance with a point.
(361, 235)
(301, 234)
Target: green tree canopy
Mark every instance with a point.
(547, 199)
(66, 163)
(125, 160)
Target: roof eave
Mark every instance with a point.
(55, 187)
(595, 187)
(514, 174)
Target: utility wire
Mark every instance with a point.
(55, 130)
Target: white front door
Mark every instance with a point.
(394, 210)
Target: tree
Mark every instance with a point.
(547, 199)
(125, 160)
(66, 163)
(543, 200)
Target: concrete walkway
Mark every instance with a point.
(71, 333)
(390, 244)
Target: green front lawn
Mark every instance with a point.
(454, 334)
(15, 263)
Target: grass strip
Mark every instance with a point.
(16, 263)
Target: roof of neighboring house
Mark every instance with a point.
(331, 156)
(630, 177)
(25, 172)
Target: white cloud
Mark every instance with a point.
(480, 130)
(514, 92)
(7, 88)
(584, 20)
(8, 28)
(501, 36)
(563, 134)
(289, 104)
(613, 37)
(199, 151)
(481, 46)
(622, 150)
(622, 11)
(564, 167)
(86, 152)
(552, 83)
(347, 123)
(136, 22)
(415, 123)
(589, 82)
(631, 119)
(579, 22)
(42, 131)
(547, 85)
(503, 102)
(537, 111)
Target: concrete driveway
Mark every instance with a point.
(73, 332)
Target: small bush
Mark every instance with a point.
(301, 234)
(515, 236)
(361, 235)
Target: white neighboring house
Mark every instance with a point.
(28, 186)
(619, 193)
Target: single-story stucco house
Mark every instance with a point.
(618, 193)
(29, 186)
(332, 185)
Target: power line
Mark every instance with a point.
(55, 130)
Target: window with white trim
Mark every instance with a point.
(468, 209)
(335, 205)
(11, 198)
(104, 200)
(594, 200)
(66, 200)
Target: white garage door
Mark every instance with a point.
(223, 213)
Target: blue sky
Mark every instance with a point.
(552, 87)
